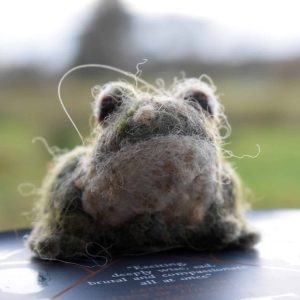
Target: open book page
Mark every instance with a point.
(270, 271)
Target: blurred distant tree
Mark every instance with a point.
(104, 39)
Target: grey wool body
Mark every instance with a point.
(152, 177)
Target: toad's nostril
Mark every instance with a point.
(144, 114)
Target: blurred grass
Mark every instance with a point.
(273, 176)
(260, 112)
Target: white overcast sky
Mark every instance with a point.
(34, 30)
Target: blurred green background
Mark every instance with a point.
(261, 98)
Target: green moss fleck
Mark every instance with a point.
(131, 111)
(120, 128)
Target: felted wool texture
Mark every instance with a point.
(152, 177)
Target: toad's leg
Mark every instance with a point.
(61, 227)
(235, 208)
(225, 224)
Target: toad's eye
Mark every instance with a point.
(110, 100)
(202, 99)
(108, 104)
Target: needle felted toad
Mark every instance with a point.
(153, 176)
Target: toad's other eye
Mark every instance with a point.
(202, 99)
(199, 94)
(110, 99)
